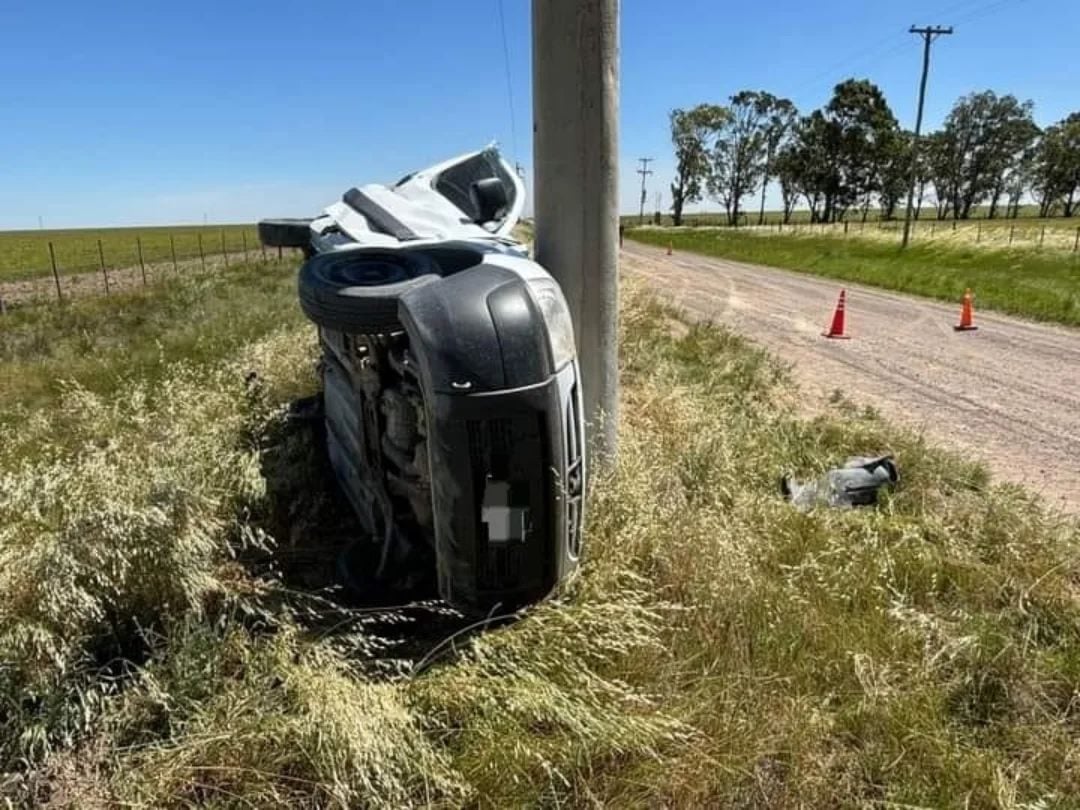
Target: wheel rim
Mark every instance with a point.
(366, 270)
(373, 272)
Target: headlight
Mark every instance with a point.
(557, 318)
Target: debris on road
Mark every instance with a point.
(855, 484)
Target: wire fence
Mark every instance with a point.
(988, 234)
(34, 267)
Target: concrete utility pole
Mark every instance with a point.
(644, 171)
(576, 200)
(929, 34)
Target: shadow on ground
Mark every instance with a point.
(321, 560)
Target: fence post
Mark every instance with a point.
(933, 228)
(202, 256)
(104, 271)
(142, 265)
(954, 226)
(56, 275)
(1076, 241)
(224, 250)
(172, 249)
(845, 227)
(1012, 230)
(243, 238)
(279, 253)
(262, 247)
(1042, 235)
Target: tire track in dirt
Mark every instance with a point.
(1008, 394)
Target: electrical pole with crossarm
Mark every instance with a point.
(929, 33)
(644, 171)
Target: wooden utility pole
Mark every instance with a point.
(929, 34)
(104, 271)
(55, 272)
(644, 171)
(142, 265)
(575, 158)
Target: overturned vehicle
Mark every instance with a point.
(450, 383)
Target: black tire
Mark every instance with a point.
(286, 233)
(357, 291)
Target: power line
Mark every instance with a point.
(874, 50)
(644, 171)
(829, 73)
(982, 11)
(509, 83)
(929, 33)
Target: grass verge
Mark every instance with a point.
(719, 648)
(1041, 286)
(1028, 217)
(103, 344)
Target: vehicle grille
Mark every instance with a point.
(511, 450)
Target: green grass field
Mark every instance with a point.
(102, 344)
(1030, 234)
(719, 649)
(1040, 285)
(25, 254)
(1028, 218)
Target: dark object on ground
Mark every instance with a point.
(855, 484)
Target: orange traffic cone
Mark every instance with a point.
(836, 330)
(669, 246)
(967, 315)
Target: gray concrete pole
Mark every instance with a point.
(575, 156)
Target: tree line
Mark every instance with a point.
(852, 155)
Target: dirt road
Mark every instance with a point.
(1008, 393)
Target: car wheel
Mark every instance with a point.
(357, 291)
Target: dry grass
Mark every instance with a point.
(719, 648)
(1057, 235)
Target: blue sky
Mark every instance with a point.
(152, 112)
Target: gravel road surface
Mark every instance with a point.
(1008, 393)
